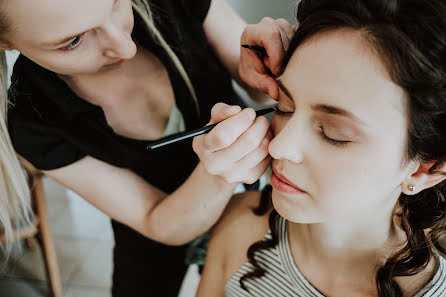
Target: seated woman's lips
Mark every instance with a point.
(280, 183)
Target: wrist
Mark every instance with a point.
(217, 182)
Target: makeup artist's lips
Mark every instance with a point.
(280, 183)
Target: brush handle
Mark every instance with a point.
(189, 134)
(256, 48)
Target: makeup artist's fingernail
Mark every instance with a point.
(234, 109)
(251, 113)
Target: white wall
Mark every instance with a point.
(11, 56)
(254, 10)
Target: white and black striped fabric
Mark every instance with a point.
(283, 278)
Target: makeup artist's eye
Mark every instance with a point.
(74, 43)
(340, 143)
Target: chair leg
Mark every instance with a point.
(46, 240)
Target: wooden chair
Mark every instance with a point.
(40, 229)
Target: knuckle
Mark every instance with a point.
(212, 168)
(267, 20)
(195, 146)
(229, 179)
(275, 33)
(283, 21)
(248, 28)
(252, 139)
(249, 114)
(251, 179)
(217, 107)
(220, 105)
(221, 138)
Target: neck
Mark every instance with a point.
(356, 243)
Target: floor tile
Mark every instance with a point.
(56, 198)
(70, 255)
(20, 288)
(95, 270)
(254, 10)
(82, 291)
(82, 220)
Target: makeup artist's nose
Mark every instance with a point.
(288, 145)
(117, 43)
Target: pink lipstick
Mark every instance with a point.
(282, 184)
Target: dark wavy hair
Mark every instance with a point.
(410, 38)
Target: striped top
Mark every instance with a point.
(283, 278)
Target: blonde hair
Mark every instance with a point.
(14, 191)
(144, 11)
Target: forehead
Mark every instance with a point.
(341, 68)
(49, 19)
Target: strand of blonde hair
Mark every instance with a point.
(14, 191)
(143, 9)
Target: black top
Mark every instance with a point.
(51, 127)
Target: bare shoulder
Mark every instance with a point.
(238, 228)
(239, 219)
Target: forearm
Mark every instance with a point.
(191, 210)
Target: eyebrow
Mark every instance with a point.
(325, 108)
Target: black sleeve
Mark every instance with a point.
(198, 8)
(41, 145)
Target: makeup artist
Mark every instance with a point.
(98, 80)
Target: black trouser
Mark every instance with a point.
(143, 267)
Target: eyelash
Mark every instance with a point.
(71, 47)
(280, 112)
(324, 136)
(332, 141)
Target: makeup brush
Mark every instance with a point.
(258, 49)
(189, 134)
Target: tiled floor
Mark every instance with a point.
(84, 243)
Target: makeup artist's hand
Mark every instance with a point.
(259, 72)
(237, 148)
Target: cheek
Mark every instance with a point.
(71, 65)
(354, 179)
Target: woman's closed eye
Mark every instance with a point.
(336, 141)
(330, 140)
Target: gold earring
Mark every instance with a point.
(411, 188)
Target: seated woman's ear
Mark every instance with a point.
(424, 175)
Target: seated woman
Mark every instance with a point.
(359, 152)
